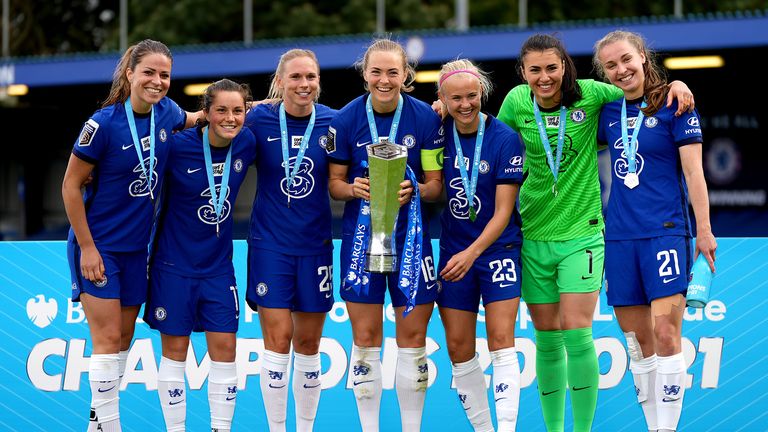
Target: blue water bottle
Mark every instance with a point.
(700, 282)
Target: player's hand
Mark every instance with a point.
(458, 266)
(361, 188)
(439, 108)
(678, 90)
(706, 244)
(91, 264)
(252, 104)
(405, 192)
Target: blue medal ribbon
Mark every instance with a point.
(470, 183)
(630, 146)
(356, 277)
(290, 175)
(216, 199)
(410, 258)
(372, 121)
(554, 163)
(137, 143)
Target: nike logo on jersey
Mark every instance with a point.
(328, 295)
(190, 170)
(430, 286)
(612, 123)
(126, 147)
(665, 280)
(270, 139)
(359, 144)
(528, 121)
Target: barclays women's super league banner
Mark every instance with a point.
(45, 347)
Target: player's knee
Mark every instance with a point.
(460, 354)
(667, 338)
(367, 337)
(107, 341)
(411, 337)
(223, 350)
(498, 340)
(277, 340)
(306, 344)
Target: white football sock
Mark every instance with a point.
(104, 377)
(470, 385)
(171, 389)
(670, 389)
(411, 378)
(274, 388)
(506, 385)
(222, 394)
(122, 358)
(306, 389)
(365, 370)
(93, 422)
(644, 375)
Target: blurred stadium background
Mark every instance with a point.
(58, 57)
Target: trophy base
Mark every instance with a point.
(381, 264)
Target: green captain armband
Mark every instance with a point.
(432, 160)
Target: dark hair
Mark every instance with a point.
(388, 45)
(206, 99)
(655, 87)
(121, 88)
(540, 42)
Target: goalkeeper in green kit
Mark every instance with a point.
(562, 255)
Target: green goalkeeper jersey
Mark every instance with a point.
(576, 210)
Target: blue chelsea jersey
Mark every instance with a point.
(302, 226)
(501, 162)
(659, 204)
(118, 206)
(186, 242)
(419, 129)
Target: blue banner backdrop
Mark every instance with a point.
(45, 354)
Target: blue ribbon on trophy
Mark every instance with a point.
(357, 277)
(410, 259)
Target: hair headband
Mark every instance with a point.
(446, 75)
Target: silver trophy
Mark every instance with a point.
(386, 170)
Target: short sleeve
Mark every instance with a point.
(93, 140)
(337, 147)
(178, 115)
(509, 160)
(506, 112)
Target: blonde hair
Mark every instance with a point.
(388, 45)
(655, 88)
(275, 91)
(121, 88)
(466, 66)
